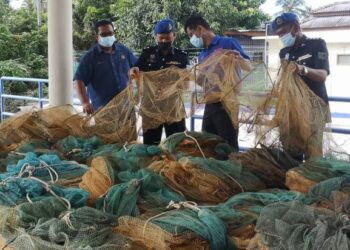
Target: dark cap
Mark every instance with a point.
(165, 26)
(285, 18)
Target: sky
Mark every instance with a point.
(270, 8)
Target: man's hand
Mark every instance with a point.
(298, 69)
(88, 108)
(134, 73)
(235, 53)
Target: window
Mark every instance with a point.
(343, 60)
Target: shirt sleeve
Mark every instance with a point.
(141, 61)
(321, 57)
(85, 70)
(132, 58)
(236, 46)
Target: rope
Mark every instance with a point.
(195, 140)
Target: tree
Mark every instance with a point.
(135, 20)
(299, 7)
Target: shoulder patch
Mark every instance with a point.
(322, 55)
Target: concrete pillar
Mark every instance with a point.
(60, 42)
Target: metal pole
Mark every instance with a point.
(60, 43)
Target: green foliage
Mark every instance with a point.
(135, 20)
(299, 7)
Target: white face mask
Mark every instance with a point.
(288, 39)
(106, 41)
(197, 41)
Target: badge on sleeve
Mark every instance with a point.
(322, 55)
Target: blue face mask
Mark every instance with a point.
(288, 39)
(106, 41)
(197, 41)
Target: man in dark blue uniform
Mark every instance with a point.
(161, 56)
(311, 58)
(215, 120)
(103, 69)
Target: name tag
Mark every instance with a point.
(173, 63)
(304, 57)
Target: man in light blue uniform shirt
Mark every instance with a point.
(103, 69)
(215, 120)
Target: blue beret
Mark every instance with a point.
(285, 18)
(165, 26)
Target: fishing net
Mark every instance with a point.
(315, 170)
(115, 122)
(47, 167)
(296, 226)
(207, 180)
(139, 192)
(299, 114)
(268, 164)
(218, 79)
(196, 144)
(186, 227)
(160, 94)
(47, 224)
(78, 149)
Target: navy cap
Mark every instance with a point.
(165, 26)
(285, 18)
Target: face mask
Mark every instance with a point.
(106, 41)
(165, 46)
(197, 41)
(288, 39)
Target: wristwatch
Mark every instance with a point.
(304, 71)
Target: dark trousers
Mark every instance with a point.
(217, 121)
(153, 136)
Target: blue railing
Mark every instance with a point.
(40, 99)
(334, 130)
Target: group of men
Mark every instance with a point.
(107, 67)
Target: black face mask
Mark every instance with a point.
(165, 46)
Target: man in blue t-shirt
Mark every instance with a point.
(216, 119)
(103, 69)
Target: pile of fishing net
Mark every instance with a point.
(187, 225)
(196, 144)
(47, 224)
(270, 165)
(106, 164)
(47, 124)
(315, 170)
(207, 180)
(160, 96)
(297, 226)
(139, 192)
(219, 79)
(299, 114)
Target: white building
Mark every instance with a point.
(331, 23)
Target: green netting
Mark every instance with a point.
(319, 169)
(47, 224)
(196, 144)
(47, 167)
(244, 208)
(139, 190)
(16, 190)
(296, 226)
(78, 149)
(202, 222)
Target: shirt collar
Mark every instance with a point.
(172, 52)
(215, 41)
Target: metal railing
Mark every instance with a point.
(334, 130)
(40, 99)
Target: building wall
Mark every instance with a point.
(338, 43)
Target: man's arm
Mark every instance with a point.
(317, 75)
(83, 97)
